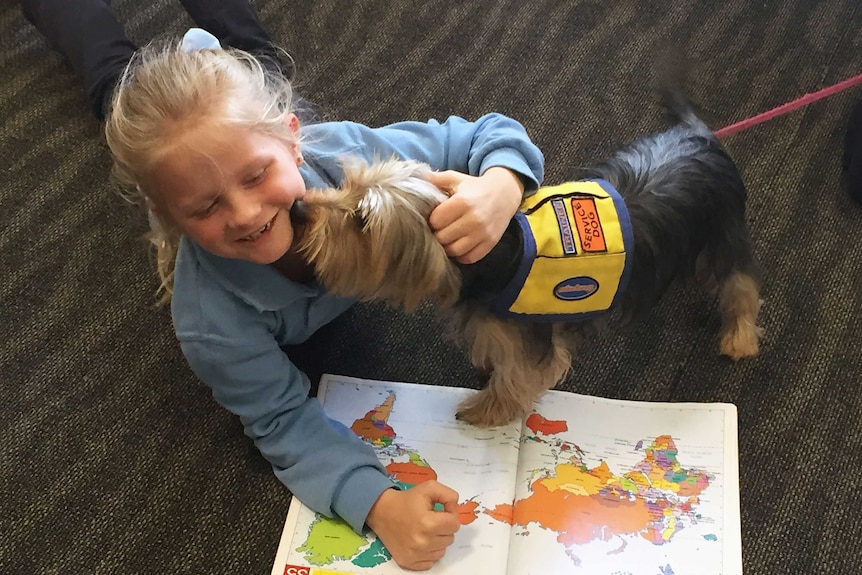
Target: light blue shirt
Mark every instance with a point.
(232, 316)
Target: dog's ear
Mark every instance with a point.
(395, 185)
(405, 263)
(355, 181)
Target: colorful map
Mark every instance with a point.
(572, 507)
(330, 540)
(581, 504)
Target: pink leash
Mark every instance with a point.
(788, 107)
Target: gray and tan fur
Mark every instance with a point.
(370, 239)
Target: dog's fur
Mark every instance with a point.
(370, 239)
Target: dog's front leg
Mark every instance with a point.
(501, 402)
(524, 363)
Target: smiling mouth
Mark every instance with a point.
(255, 235)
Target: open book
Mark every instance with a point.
(583, 485)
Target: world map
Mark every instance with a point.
(579, 504)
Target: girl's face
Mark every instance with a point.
(230, 189)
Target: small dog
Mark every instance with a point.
(683, 214)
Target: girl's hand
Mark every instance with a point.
(478, 210)
(414, 533)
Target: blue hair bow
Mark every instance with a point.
(199, 39)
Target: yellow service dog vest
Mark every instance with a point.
(578, 246)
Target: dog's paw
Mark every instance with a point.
(486, 409)
(743, 341)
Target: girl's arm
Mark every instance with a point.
(471, 222)
(319, 460)
(486, 167)
(456, 144)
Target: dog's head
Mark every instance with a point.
(370, 238)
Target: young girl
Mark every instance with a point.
(207, 138)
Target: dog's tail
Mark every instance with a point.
(681, 110)
(670, 79)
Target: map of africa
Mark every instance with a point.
(559, 505)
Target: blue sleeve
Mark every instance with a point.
(456, 144)
(322, 463)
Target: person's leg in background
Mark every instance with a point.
(853, 153)
(236, 24)
(88, 34)
(91, 38)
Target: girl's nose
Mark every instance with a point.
(245, 211)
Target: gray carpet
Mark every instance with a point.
(115, 459)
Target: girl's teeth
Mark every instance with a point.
(260, 232)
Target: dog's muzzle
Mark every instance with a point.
(298, 213)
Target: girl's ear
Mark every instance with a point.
(292, 124)
(293, 128)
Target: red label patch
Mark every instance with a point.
(589, 225)
(296, 570)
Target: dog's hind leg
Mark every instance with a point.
(739, 302)
(730, 271)
(525, 361)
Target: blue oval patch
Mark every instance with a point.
(573, 289)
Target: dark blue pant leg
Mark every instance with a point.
(852, 161)
(88, 34)
(236, 24)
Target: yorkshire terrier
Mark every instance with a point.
(666, 206)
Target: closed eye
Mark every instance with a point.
(207, 211)
(257, 178)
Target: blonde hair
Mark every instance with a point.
(165, 88)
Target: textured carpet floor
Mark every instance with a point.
(115, 459)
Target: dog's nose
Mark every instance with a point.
(299, 212)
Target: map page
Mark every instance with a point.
(583, 485)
